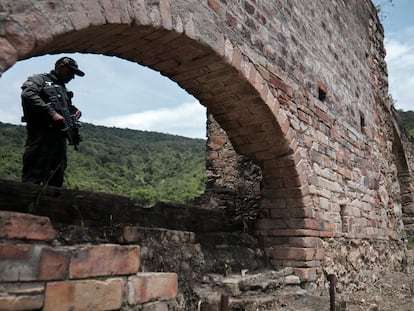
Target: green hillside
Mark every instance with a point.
(146, 166)
(407, 120)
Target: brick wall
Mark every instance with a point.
(299, 87)
(35, 273)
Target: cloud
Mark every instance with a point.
(400, 63)
(9, 117)
(187, 119)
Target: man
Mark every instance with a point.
(46, 105)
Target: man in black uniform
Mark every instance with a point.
(46, 103)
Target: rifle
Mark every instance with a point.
(62, 106)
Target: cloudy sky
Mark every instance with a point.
(114, 92)
(398, 21)
(119, 93)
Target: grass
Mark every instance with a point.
(410, 244)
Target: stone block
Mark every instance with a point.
(25, 226)
(292, 280)
(131, 234)
(104, 260)
(155, 306)
(84, 295)
(306, 274)
(145, 287)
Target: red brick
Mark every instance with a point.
(313, 242)
(11, 303)
(322, 115)
(54, 264)
(165, 13)
(18, 262)
(84, 295)
(298, 232)
(249, 8)
(27, 262)
(146, 287)
(266, 224)
(104, 260)
(214, 5)
(21, 296)
(298, 253)
(25, 226)
(19, 37)
(8, 54)
(281, 85)
(291, 212)
(116, 12)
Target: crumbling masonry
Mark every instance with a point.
(298, 88)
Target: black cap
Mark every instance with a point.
(71, 63)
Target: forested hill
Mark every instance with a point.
(407, 120)
(146, 166)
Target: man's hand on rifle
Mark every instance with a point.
(78, 114)
(58, 118)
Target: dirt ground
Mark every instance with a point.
(394, 292)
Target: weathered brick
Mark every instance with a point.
(213, 4)
(18, 262)
(296, 232)
(146, 287)
(311, 242)
(25, 226)
(307, 274)
(24, 302)
(104, 260)
(84, 295)
(27, 262)
(297, 253)
(295, 263)
(116, 12)
(21, 296)
(165, 12)
(54, 264)
(291, 212)
(155, 306)
(19, 37)
(8, 55)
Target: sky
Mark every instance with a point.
(116, 92)
(397, 19)
(113, 92)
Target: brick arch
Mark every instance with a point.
(218, 72)
(404, 176)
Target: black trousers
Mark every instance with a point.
(44, 158)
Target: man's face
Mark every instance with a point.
(65, 74)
